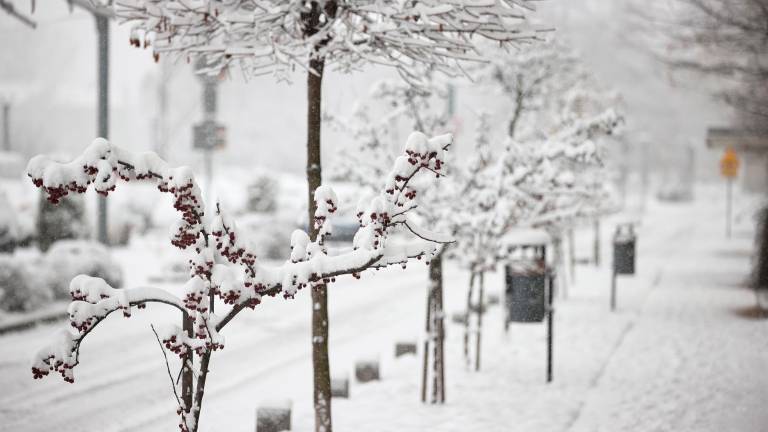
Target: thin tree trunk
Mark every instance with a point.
(519, 98)
(203, 376)
(428, 336)
(187, 374)
(479, 320)
(438, 365)
(320, 361)
(469, 314)
(440, 327)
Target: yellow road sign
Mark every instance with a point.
(729, 164)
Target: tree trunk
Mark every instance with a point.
(480, 311)
(427, 336)
(320, 362)
(187, 375)
(519, 99)
(438, 366)
(468, 317)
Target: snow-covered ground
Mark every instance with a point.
(681, 353)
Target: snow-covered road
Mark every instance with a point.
(681, 353)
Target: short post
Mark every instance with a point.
(340, 387)
(492, 299)
(367, 370)
(459, 317)
(550, 327)
(274, 417)
(402, 348)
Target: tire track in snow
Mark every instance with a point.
(99, 399)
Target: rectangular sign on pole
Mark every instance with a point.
(729, 168)
(729, 164)
(209, 135)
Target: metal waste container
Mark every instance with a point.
(624, 243)
(526, 278)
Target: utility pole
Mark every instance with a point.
(208, 135)
(102, 13)
(161, 119)
(102, 28)
(6, 126)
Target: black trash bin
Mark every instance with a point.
(526, 278)
(526, 301)
(624, 243)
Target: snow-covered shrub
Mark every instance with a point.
(69, 258)
(66, 220)
(9, 226)
(262, 195)
(269, 234)
(20, 290)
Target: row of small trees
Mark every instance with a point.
(543, 170)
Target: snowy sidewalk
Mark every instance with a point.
(682, 352)
(694, 359)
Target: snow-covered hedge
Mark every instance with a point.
(9, 225)
(69, 258)
(20, 286)
(63, 221)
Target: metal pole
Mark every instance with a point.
(597, 242)
(644, 177)
(613, 291)
(102, 27)
(210, 87)
(572, 254)
(550, 329)
(728, 206)
(6, 126)
(161, 121)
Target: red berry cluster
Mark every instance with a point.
(186, 202)
(59, 366)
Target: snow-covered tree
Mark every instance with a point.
(721, 39)
(225, 275)
(532, 80)
(554, 98)
(373, 127)
(271, 36)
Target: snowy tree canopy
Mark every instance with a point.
(277, 36)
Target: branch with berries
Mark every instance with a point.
(223, 266)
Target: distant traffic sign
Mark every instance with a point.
(729, 164)
(209, 135)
